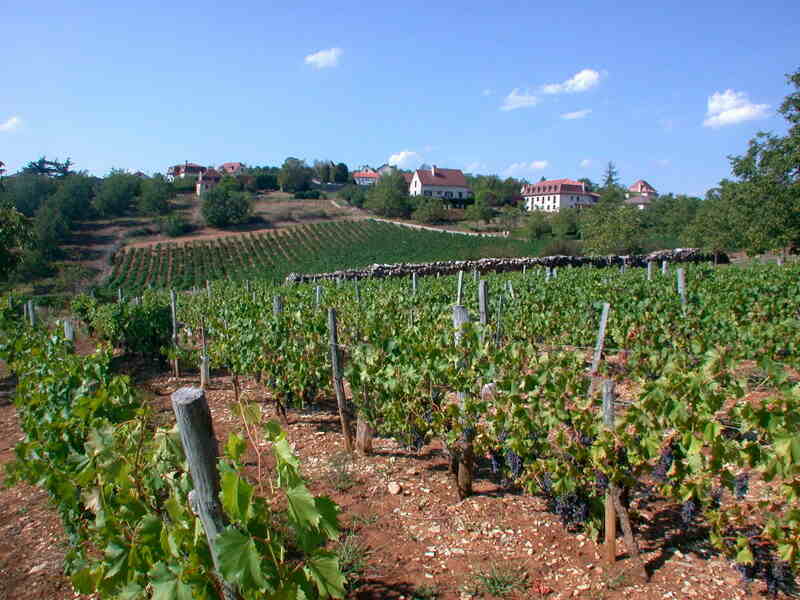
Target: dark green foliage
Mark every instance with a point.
(493, 190)
(28, 192)
(174, 226)
(612, 229)
(48, 168)
(154, 196)
(50, 227)
(430, 211)
(14, 237)
(295, 175)
(222, 207)
(355, 195)
(184, 185)
(308, 195)
(74, 196)
(341, 173)
(479, 211)
(610, 176)
(117, 193)
(389, 197)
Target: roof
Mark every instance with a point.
(408, 177)
(369, 174)
(443, 177)
(641, 186)
(556, 186)
(211, 174)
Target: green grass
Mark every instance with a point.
(312, 248)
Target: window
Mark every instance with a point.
(459, 194)
(426, 193)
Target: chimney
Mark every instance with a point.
(433, 170)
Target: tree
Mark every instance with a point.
(14, 236)
(117, 193)
(28, 192)
(50, 227)
(564, 223)
(48, 168)
(295, 175)
(537, 225)
(355, 195)
(74, 196)
(155, 195)
(769, 182)
(714, 227)
(389, 197)
(668, 216)
(324, 170)
(341, 174)
(479, 211)
(588, 184)
(222, 206)
(610, 177)
(612, 229)
(430, 210)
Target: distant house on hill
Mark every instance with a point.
(439, 183)
(385, 169)
(207, 180)
(640, 194)
(554, 194)
(366, 177)
(231, 168)
(187, 169)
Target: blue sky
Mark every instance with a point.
(666, 90)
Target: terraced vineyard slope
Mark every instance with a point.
(317, 247)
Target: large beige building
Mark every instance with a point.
(555, 194)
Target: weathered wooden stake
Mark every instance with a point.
(341, 400)
(510, 289)
(205, 371)
(524, 269)
(31, 313)
(601, 338)
(475, 275)
(663, 267)
(358, 293)
(200, 446)
(208, 288)
(465, 448)
(247, 285)
(413, 283)
(318, 296)
(649, 270)
(682, 285)
(69, 330)
(460, 289)
(277, 304)
(498, 320)
(483, 301)
(119, 295)
(610, 546)
(174, 309)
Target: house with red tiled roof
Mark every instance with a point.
(230, 168)
(187, 169)
(640, 194)
(554, 194)
(439, 183)
(207, 180)
(366, 176)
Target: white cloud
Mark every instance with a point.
(729, 108)
(521, 168)
(578, 114)
(11, 124)
(406, 159)
(517, 99)
(487, 92)
(324, 58)
(585, 163)
(580, 82)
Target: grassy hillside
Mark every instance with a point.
(303, 249)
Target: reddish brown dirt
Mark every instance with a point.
(420, 537)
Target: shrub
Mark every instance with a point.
(223, 207)
(430, 210)
(174, 226)
(308, 195)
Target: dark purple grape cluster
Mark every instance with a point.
(586, 440)
(716, 496)
(600, 482)
(740, 485)
(468, 434)
(688, 512)
(496, 462)
(664, 464)
(779, 578)
(570, 508)
(514, 463)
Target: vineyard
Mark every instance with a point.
(306, 248)
(678, 404)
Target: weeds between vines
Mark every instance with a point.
(497, 581)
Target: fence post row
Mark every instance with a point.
(341, 400)
(601, 338)
(200, 446)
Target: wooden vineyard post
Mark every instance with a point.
(465, 447)
(475, 275)
(498, 320)
(649, 270)
(173, 307)
(483, 300)
(247, 286)
(119, 295)
(554, 272)
(358, 292)
(31, 313)
(682, 285)
(200, 446)
(610, 545)
(69, 330)
(460, 289)
(318, 296)
(414, 283)
(277, 305)
(510, 289)
(663, 267)
(205, 373)
(341, 401)
(547, 271)
(208, 288)
(779, 260)
(601, 339)
(524, 269)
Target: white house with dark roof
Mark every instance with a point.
(439, 183)
(554, 194)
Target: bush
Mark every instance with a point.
(389, 197)
(223, 207)
(155, 196)
(354, 194)
(479, 211)
(430, 210)
(308, 195)
(174, 226)
(183, 185)
(117, 193)
(144, 328)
